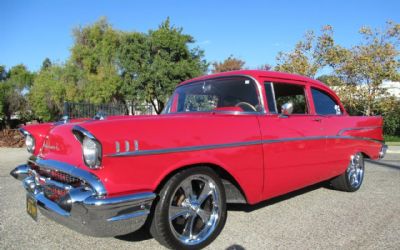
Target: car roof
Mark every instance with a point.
(257, 74)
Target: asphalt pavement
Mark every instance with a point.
(312, 218)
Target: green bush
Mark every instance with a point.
(391, 123)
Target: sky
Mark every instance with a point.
(254, 31)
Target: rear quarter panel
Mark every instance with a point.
(351, 134)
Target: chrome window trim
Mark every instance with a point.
(235, 144)
(273, 95)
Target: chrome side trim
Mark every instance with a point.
(88, 177)
(183, 149)
(127, 146)
(136, 145)
(95, 201)
(349, 129)
(235, 144)
(117, 147)
(312, 138)
(129, 216)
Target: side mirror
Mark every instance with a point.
(287, 108)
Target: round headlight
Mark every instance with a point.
(91, 152)
(30, 143)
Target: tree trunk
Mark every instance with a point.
(8, 121)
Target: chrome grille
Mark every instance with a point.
(54, 193)
(56, 175)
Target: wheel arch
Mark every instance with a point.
(365, 155)
(234, 192)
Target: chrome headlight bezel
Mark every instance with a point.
(91, 147)
(30, 141)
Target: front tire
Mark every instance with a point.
(191, 211)
(352, 178)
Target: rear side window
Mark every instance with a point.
(324, 104)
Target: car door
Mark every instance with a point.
(293, 144)
(333, 121)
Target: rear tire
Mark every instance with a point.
(352, 178)
(191, 210)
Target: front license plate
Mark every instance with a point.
(31, 207)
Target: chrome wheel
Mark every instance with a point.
(355, 171)
(194, 210)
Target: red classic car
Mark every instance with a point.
(235, 137)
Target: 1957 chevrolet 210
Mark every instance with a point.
(234, 137)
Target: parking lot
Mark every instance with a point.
(313, 218)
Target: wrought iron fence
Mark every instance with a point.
(84, 110)
(80, 110)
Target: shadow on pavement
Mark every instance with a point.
(235, 247)
(139, 235)
(385, 164)
(250, 208)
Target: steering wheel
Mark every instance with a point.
(246, 106)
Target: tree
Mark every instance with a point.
(48, 93)
(330, 80)
(229, 64)
(356, 73)
(13, 86)
(367, 65)
(309, 54)
(46, 64)
(108, 65)
(158, 61)
(266, 67)
(3, 73)
(94, 55)
(133, 59)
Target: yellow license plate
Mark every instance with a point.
(31, 207)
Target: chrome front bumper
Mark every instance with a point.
(85, 209)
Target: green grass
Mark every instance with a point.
(392, 140)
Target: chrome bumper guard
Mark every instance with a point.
(85, 208)
(382, 153)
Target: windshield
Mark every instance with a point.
(237, 94)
